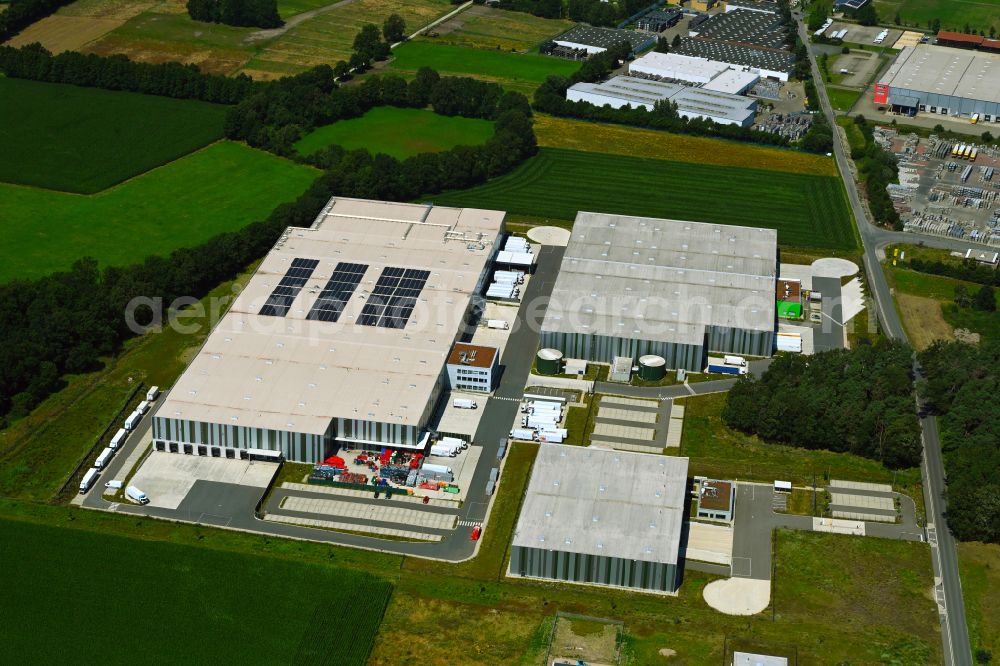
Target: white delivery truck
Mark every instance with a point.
(498, 324)
(735, 360)
(88, 480)
(133, 420)
(550, 436)
(103, 459)
(136, 495)
(464, 403)
(440, 451)
(153, 393)
(540, 423)
(143, 407)
(119, 438)
(522, 433)
(440, 469)
(454, 442)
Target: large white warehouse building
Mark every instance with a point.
(720, 107)
(709, 74)
(631, 286)
(340, 337)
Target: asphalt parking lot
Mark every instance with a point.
(168, 478)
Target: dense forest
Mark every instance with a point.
(961, 386)
(856, 401)
(117, 72)
(243, 13)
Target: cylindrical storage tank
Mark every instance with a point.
(652, 368)
(550, 361)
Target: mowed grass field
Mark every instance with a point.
(122, 600)
(807, 211)
(398, 132)
(514, 71)
(220, 188)
(954, 14)
(490, 28)
(979, 567)
(59, 136)
(553, 132)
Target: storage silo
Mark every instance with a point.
(652, 368)
(549, 361)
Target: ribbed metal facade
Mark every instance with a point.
(579, 568)
(603, 349)
(295, 446)
(932, 102)
(727, 340)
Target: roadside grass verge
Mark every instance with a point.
(861, 582)
(220, 188)
(398, 132)
(842, 99)
(205, 594)
(979, 567)
(73, 139)
(807, 211)
(719, 452)
(553, 132)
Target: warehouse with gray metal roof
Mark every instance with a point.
(720, 107)
(602, 517)
(631, 286)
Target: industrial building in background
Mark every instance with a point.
(602, 517)
(689, 70)
(943, 80)
(583, 41)
(633, 286)
(719, 107)
(340, 337)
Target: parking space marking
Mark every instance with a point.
(741, 567)
(370, 512)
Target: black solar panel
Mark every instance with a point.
(395, 295)
(338, 290)
(280, 300)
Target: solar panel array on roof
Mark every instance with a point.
(337, 292)
(394, 297)
(280, 300)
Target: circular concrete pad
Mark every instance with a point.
(738, 596)
(834, 268)
(549, 236)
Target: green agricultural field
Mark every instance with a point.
(807, 211)
(59, 136)
(221, 188)
(979, 566)
(399, 132)
(515, 71)
(953, 14)
(490, 28)
(82, 593)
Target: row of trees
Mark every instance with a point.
(877, 168)
(19, 14)
(245, 13)
(961, 386)
(856, 401)
(117, 72)
(983, 300)
(969, 270)
(279, 114)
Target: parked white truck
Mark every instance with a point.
(136, 495)
(88, 479)
(464, 403)
(498, 324)
(103, 459)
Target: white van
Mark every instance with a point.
(103, 459)
(88, 480)
(114, 485)
(118, 439)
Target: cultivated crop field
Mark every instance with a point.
(954, 14)
(807, 211)
(514, 71)
(221, 188)
(489, 28)
(398, 132)
(58, 136)
(328, 37)
(169, 603)
(553, 132)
